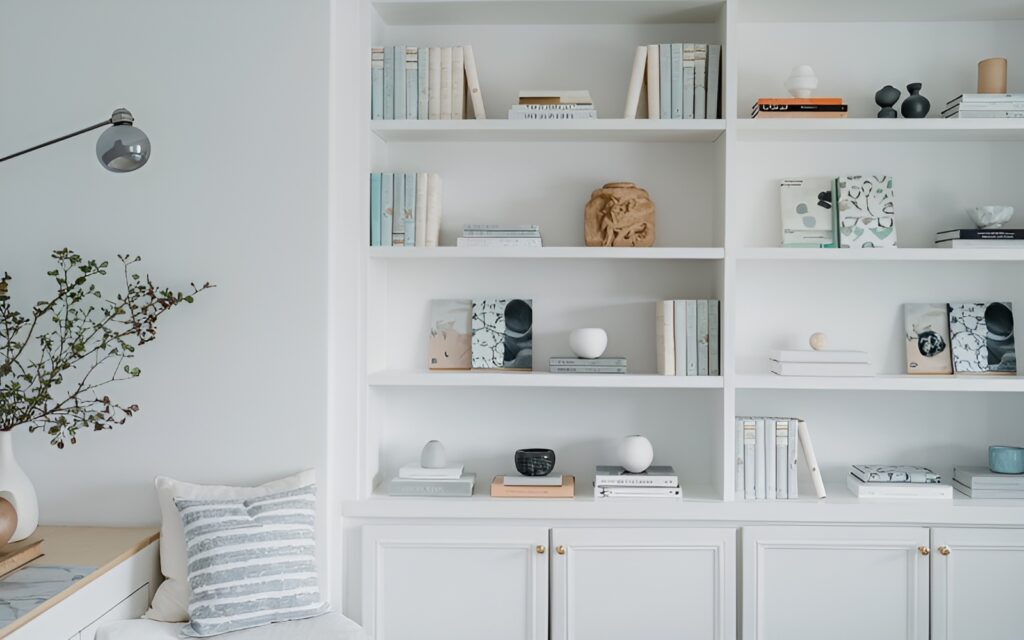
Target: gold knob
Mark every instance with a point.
(541, 548)
(924, 550)
(560, 550)
(944, 550)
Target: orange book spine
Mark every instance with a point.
(798, 115)
(500, 490)
(800, 101)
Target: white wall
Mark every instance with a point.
(234, 95)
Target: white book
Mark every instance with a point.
(422, 83)
(665, 334)
(414, 471)
(988, 494)
(377, 83)
(412, 92)
(689, 65)
(398, 219)
(691, 337)
(714, 67)
(498, 242)
(812, 460)
(389, 84)
(700, 70)
(980, 244)
(831, 370)
(749, 457)
(988, 97)
(828, 356)
(653, 83)
(476, 99)
(983, 478)
(421, 209)
(400, 84)
(793, 446)
(760, 468)
(576, 114)
(458, 84)
(979, 113)
(434, 212)
(409, 210)
(770, 476)
(638, 492)
(985, 106)
(782, 459)
(740, 479)
(387, 208)
(679, 335)
(446, 83)
(702, 337)
(636, 83)
(714, 340)
(500, 227)
(515, 480)
(434, 84)
(654, 476)
(929, 491)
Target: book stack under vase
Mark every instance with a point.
(424, 83)
(980, 239)
(572, 364)
(553, 105)
(405, 209)
(656, 482)
(981, 483)
(799, 108)
(687, 335)
(826, 362)
(767, 452)
(415, 480)
(500, 235)
(896, 481)
(985, 105)
(682, 81)
(517, 486)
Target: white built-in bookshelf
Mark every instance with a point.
(715, 187)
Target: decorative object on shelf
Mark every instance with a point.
(535, 462)
(986, 483)
(500, 235)
(433, 455)
(687, 337)
(867, 212)
(819, 362)
(926, 332)
(990, 216)
(619, 214)
(799, 108)
(915, 105)
(885, 98)
(992, 75)
(635, 453)
(1004, 459)
(682, 81)
(451, 334)
(655, 482)
(766, 458)
(405, 209)
(985, 105)
(8, 521)
(818, 341)
(502, 334)
(425, 83)
(588, 343)
(58, 386)
(808, 213)
(801, 82)
(562, 364)
(982, 338)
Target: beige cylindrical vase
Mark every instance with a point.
(992, 75)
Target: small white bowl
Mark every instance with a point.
(991, 216)
(588, 343)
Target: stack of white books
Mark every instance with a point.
(806, 362)
(979, 482)
(985, 105)
(415, 480)
(553, 105)
(500, 235)
(896, 481)
(655, 482)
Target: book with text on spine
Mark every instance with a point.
(654, 476)
(638, 492)
(566, 490)
(460, 488)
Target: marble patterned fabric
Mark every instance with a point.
(27, 588)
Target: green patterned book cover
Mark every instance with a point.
(867, 212)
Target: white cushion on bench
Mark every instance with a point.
(332, 626)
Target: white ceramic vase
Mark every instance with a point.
(635, 454)
(433, 455)
(16, 488)
(802, 81)
(588, 343)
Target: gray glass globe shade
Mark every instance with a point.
(123, 148)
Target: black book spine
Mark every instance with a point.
(820, 108)
(986, 234)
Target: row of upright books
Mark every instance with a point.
(799, 108)
(500, 235)
(985, 105)
(767, 453)
(687, 335)
(980, 239)
(829, 362)
(553, 105)
(611, 482)
(683, 81)
(424, 83)
(405, 209)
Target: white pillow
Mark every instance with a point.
(170, 603)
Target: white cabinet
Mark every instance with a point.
(977, 581)
(668, 583)
(841, 583)
(457, 583)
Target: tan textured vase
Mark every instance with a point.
(619, 214)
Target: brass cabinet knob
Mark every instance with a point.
(944, 550)
(541, 548)
(924, 550)
(560, 550)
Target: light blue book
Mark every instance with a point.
(679, 319)
(412, 94)
(702, 337)
(760, 468)
(665, 78)
(677, 81)
(398, 223)
(398, 57)
(409, 210)
(389, 83)
(422, 82)
(375, 197)
(377, 83)
(691, 337)
(714, 348)
(387, 208)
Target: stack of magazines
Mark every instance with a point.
(979, 482)
(500, 235)
(896, 481)
(656, 482)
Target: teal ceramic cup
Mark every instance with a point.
(1003, 459)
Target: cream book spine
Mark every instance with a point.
(636, 83)
(473, 82)
(446, 83)
(812, 460)
(759, 460)
(664, 330)
(700, 74)
(434, 84)
(400, 84)
(679, 322)
(421, 209)
(458, 84)
(434, 201)
(769, 459)
(689, 66)
(793, 490)
(422, 83)
(653, 83)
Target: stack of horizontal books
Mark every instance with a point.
(805, 362)
(553, 105)
(896, 481)
(985, 105)
(450, 481)
(569, 364)
(979, 482)
(980, 239)
(656, 482)
(799, 108)
(557, 486)
(500, 235)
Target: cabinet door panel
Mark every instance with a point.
(977, 587)
(843, 583)
(643, 583)
(455, 582)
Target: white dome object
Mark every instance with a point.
(635, 454)
(802, 81)
(433, 456)
(588, 343)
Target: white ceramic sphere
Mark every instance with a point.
(819, 341)
(433, 456)
(990, 216)
(588, 343)
(635, 454)
(802, 81)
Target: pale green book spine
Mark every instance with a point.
(702, 337)
(677, 81)
(679, 321)
(389, 83)
(691, 337)
(377, 83)
(665, 77)
(714, 333)
(387, 208)
(398, 223)
(412, 94)
(422, 80)
(409, 210)
(375, 197)
(398, 58)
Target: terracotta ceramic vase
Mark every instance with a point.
(619, 214)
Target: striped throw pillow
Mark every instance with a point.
(250, 562)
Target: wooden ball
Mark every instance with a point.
(819, 341)
(8, 521)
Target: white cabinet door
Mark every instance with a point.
(840, 583)
(457, 583)
(610, 584)
(977, 582)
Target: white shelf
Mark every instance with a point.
(561, 253)
(540, 379)
(1006, 384)
(880, 130)
(883, 255)
(459, 12)
(879, 10)
(599, 130)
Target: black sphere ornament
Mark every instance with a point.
(535, 462)
(886, 97)
(915, 105)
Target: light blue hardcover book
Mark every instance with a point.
(677, 81)
(412, 94)
(702, 337)
(375, 209)
(760, 479)
(793, 491)
(714, 348)
(398, 57)
(691, 337)
(422, 82)
(398, 223)
(377, 83)
(387, 208)
(389, 83)
(679, 319)
(409, 210)
(665, 77)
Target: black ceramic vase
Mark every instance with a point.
(886, 97)
(535, 462)
(915, 105)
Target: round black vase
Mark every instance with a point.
(886, 97)
(915, 105)
(535, 462)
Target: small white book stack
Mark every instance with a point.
(985, 105)
(767, 456)
(572, 364)
(808, 362)
(424, 83)
(448, 481)
(896, 481)
(573, 104)
(687, 335)
(500, 235)
(981, 483)
(656, 482)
